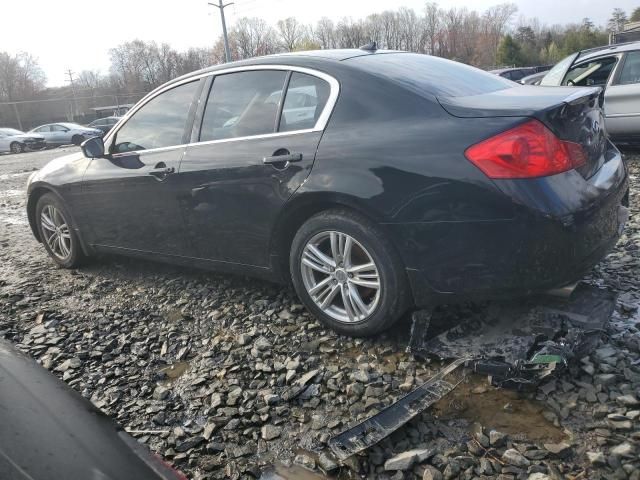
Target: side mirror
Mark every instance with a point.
(93, 147)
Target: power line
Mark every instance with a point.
(60, 99)
(220, 6)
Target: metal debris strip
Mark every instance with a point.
(388, 420)
(519, 344)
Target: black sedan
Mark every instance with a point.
(375, 181)
(50, 432)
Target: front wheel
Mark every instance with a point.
(348, 274)
(77, 139)
(57, 235)
(17, 147)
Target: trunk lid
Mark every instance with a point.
(572, 114)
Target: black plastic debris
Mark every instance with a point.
(388, 420)
(519, 344)
(516, 344)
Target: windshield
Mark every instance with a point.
(10, 131)
(556, 74)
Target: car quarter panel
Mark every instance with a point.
(399, 157)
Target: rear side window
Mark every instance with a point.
(630, 70)
(158, 123)
(436, 76)
(243, 104)
(305, 99)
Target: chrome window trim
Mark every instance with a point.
(320, 125)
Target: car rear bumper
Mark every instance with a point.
(562, 227)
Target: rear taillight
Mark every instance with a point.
(526, 151)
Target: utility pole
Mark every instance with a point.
(15, 109)
(221, 7)
(73, 91)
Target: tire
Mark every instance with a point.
(329, 232)
(77, 139)
(58, 217)
(17, 147)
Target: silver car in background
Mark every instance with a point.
(65, 133)
(616, 68)
(15, 141)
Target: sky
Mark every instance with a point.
(77, 34)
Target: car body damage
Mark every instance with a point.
(517, 345)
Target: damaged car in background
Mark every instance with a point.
(403, 181)
(614, 68)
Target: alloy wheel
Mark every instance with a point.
(16, 148)
(340, 276)
(55, 231)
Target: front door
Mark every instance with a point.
(622, 100)
(59, 135)
(255, 148)
(131, 196)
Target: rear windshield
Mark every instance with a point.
(434, 75)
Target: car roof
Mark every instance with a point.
(290, 58)
(606, 49)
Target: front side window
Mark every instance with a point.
(159, 123)
(593, 73)
(305, 99)
(242, 104)
(630, 70)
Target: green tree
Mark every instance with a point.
(635, 15)
(509, 52)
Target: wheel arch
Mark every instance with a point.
(296, 212)
(35, 193)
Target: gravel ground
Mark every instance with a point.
(202, 367)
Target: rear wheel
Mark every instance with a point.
(56, 232)
(17, 147)
(347, 273)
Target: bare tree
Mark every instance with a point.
(324, 33)
(254, 37)
(350, 34)
(617, 20)
(432, 27)
(20, 76)
(291, 33)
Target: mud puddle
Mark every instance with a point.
(500, 409)
(172, 372)
(282, 472)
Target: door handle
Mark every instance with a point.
(286, 158)
(161, 171)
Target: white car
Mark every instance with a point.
(15, 141)
(65, 133)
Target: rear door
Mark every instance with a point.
(622, 98)
(254, 148)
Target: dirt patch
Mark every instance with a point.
(496, 408)
(172, 372)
